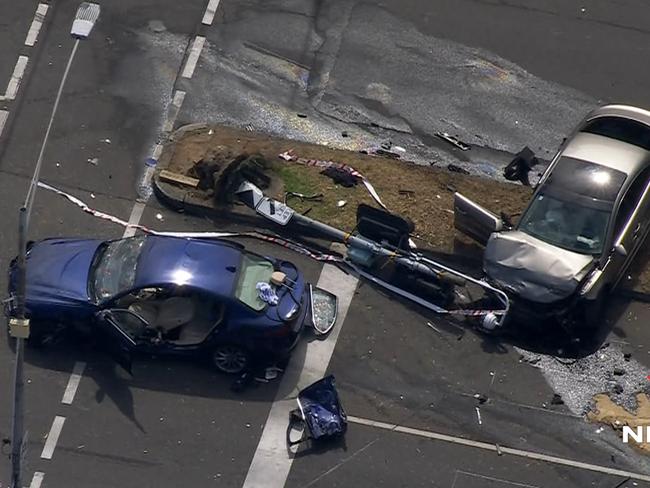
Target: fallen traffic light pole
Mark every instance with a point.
(363, 252)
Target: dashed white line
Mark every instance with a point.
(53, 437)
(271, 462)
(73, 382)
(37, 480)
(37, 23)
(193, 57)
(4, 115)
(173, 111)
(498, 449)
(16, 77)
(210, 11)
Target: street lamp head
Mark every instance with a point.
(84, 20)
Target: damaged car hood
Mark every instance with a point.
(534, 269)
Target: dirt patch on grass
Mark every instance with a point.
(423, 194)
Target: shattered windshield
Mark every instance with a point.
(253, 270)
(114, 267)
(566, 224)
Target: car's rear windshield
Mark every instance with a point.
(621, 129)
(586, 179)
(253, 270)
(114, 267)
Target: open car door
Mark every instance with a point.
(117, 337)
(473, 220)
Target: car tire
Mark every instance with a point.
(230, 358)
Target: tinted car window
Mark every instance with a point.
(586, 179)
(621, 129)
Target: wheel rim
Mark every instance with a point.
(229, 359)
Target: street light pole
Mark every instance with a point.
(85, 18)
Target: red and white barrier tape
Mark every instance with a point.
(319, 163)
(197, 235)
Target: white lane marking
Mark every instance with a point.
(73, 382)
(53, 437)
(16, 77)
(37, 23)
(134, 219)
(37, 479)
(210, 11)
(173, 110)
(193, 58)
(489, 478)
(4, 115)
(139, 206)
(271, 462)
(498, 449)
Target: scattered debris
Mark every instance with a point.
(159, 217)
(481, 398)
(181, 179)
(388, 154)
(344, 134)
(210, 132)
(302, 116)
(316, 197)
(341, 203)
(266, 293)
(92, 195)
(453, 140)
(399, 149)
(520, 166)
(619, 371)
(431, 326)
(106, 141)
(93, 161)
(499, 452)
(457, 169)
(617, 389)
(59, 164)
(341, 177)
(320, 415)
(627, 356)
(557, 400)
(386, 145)
(250, 128)
(406, 192)
(452, 188)
(478, 415)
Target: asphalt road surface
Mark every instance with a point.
(498, 74)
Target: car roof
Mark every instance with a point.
(623, 111)
(209, 265)
(628, 158)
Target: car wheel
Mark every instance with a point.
(230, 359)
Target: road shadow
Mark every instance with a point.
(160, 374)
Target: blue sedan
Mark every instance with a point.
(169, 295)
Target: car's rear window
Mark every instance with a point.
(253, 270)
(591, 180)
(621, 129)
